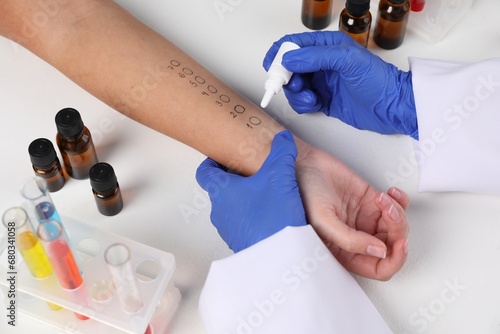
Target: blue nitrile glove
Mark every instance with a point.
(246, 210)
(339, 77)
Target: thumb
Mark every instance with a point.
(282, 155)
(278, 170)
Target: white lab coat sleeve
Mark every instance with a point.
(287, 283)
(458, 112)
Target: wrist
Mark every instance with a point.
(304, 151)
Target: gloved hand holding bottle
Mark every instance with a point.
(246, 210)
(335, 75)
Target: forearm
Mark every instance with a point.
(136, 71)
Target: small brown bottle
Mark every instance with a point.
(105, 188)
(75, 143)
(392, 20)
(46, 164)
(356, 19)
(316, 14)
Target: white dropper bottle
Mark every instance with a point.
(277, 74)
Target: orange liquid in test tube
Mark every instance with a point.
(64, 264)
(52, 235)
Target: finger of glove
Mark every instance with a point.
(342, 58)
(281, 196)
(317, 38)
(301, 97)
(281, 158)
(295, 84)
(210, 175)
(304, 101)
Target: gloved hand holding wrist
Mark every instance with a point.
(337, 76)
(246, 210)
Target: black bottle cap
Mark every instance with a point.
(42, 153)
(102, 177)
(397, 2)
(357, 7)
(69, 122)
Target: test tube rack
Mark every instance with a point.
(437, 18)
(96, 299)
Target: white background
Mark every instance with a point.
(450, 282)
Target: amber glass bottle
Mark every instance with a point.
(105, 188)
(46, 164)
(316, 14)
(75, 143)
(392, 19)
(356, 19)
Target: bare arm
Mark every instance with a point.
(134, 70)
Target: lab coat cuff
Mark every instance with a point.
(458, 121)
(287, 283)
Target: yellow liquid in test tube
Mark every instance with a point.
(34, 255)
(35, 258)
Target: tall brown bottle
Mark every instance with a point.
(316, 14)
(355, 20)
(392, 19)
(75, 143)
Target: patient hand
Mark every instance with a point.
(366, 230)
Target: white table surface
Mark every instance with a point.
(450, 283)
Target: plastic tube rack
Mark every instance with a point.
(96, 298)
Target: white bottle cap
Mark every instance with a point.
(277, 74)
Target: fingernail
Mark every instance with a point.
(384, 199)
(396, 194)
(394, 214)
(405, 247)
(376, 251)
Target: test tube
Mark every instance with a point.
(63, 261)
(35, 191)
(117, 257)
(31, 249)
(28, 244)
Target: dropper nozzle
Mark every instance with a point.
(267, 98)
(277, 74)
